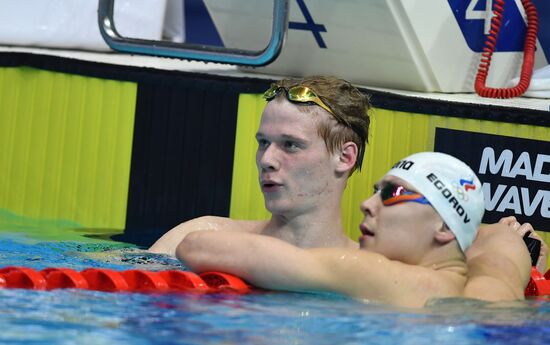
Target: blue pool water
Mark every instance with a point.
(92, 317)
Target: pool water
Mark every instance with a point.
(91, 317)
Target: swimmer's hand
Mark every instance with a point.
(529, 235)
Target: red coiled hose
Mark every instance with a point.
(528, 54)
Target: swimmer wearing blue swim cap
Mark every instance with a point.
(450, 186)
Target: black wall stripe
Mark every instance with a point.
(126, 73)
(182, 159)
(379, 99)
(392, 101)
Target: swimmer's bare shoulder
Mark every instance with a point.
(169, 241)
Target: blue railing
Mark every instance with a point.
(194, 51)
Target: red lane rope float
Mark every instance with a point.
(23, 278)
(102, 279)
(185, 281)
(64, 278)
(225, 282)
(538, 285)
(489, 48)
(105, 280)
(145, 281)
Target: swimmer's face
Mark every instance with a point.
(294, 165)
(403, 231)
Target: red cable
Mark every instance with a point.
(528, 54)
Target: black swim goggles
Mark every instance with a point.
(392, 194)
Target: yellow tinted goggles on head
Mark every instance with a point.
(300, 94)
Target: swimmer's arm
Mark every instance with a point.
(499, 264)
(169, 241)
(484, 284)
(263, 261)
(273, 264)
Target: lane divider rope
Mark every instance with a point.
(539, 284)
(102, 279)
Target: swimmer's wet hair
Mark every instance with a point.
(348, 103)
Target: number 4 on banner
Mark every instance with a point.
(309, 25)
(474, 18)
(473, 13)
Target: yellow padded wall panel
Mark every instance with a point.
(247, 201)
(66, 145)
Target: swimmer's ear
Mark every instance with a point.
(347, 157)
(444, 235)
